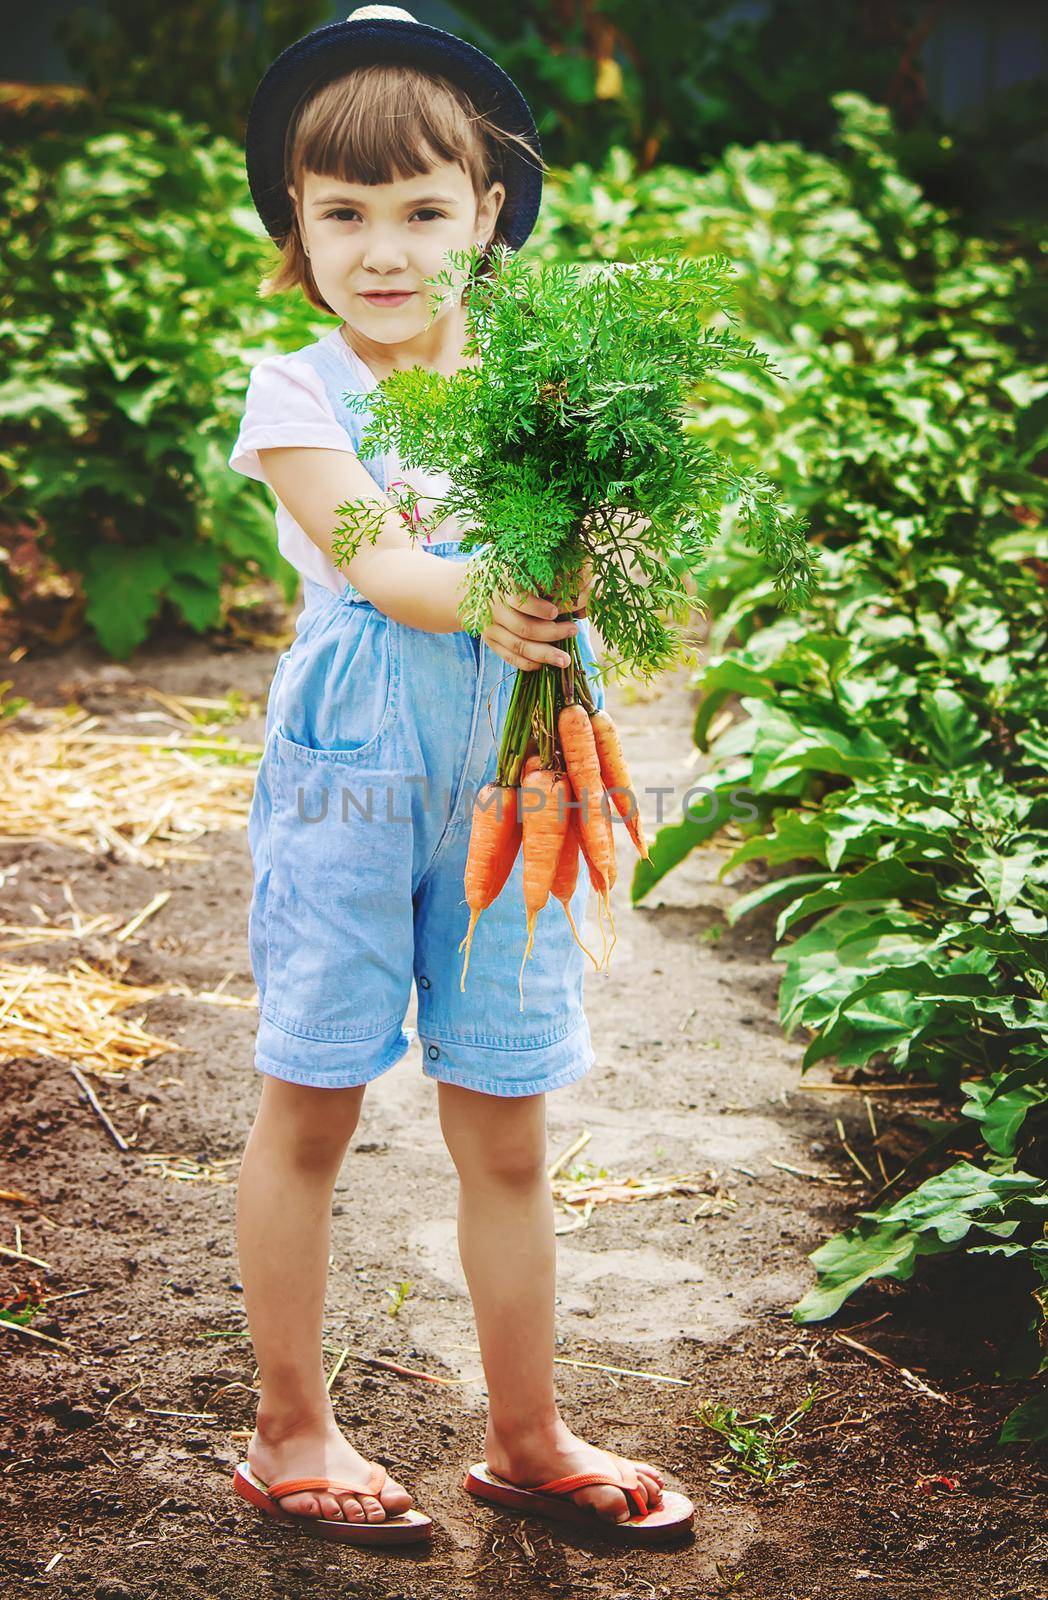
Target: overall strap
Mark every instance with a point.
(337, 376)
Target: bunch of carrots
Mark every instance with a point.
(560, 764)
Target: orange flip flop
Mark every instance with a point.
(409, 1528)
(671, 1516)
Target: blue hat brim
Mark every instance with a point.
(329, 52)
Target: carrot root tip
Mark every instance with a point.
(603, 935)
(614, 935)
(575, 935)
(525, 956)
(467, 945)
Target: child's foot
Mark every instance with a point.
(317, 1448)
(529, 1461)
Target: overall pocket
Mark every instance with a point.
(338, 902)
(341, 688)
(338, 909)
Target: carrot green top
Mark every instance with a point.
(572, 439)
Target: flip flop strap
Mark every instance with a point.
(581, 1480)
(277, 1491)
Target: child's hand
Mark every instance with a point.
(520, 630)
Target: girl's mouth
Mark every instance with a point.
(379, 299)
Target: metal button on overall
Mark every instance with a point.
(433, 1052)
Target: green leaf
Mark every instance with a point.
(767, 893)
(851, 1259)
(140, 404)
(123, 586)
(950, 1202)
(954, 731)
(886, 1243)
(1029, 1421)
(198, 602)
(1000, 1104)
(23, 397)
(881, 880)
(1005, 876)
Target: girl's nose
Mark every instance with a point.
(384, 257)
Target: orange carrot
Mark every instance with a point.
(597, 879)
(566, 877)
(545, 822)
(616, 776)
(595, 832)
(597, 874)
(494, 840)
(581, 760)
(567, 874)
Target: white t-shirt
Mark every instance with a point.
(287, 404)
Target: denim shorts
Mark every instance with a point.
(378, 736)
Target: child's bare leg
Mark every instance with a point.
(508, 1249)
(287, 1178)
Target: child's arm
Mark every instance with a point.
(399, 580)
(395, 577)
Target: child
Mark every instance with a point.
(374, 147)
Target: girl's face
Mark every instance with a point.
(363, 239)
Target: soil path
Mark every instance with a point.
(115, 1459)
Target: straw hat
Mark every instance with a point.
(390, 34)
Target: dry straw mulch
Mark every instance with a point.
(576, 1194)
(186, 1169)
(76, 1015)
(65, 777)
(80, 1015)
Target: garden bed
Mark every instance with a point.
(118, 1448)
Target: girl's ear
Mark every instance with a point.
(488, 211)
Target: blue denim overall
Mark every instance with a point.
(378, 736)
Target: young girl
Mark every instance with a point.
(374, 147)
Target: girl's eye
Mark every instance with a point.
(424, 211)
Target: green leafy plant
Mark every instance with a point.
(756, 1446)
(397, 1297)
(965, 1202)
(566, 444)
(891, 741)
(128, 316)
(202, 59)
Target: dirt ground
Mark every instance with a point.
(116, 1457)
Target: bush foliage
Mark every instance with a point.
(894, 738)
(130, 259)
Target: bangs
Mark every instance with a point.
(385, 124)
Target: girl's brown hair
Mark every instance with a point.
(378, 124)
